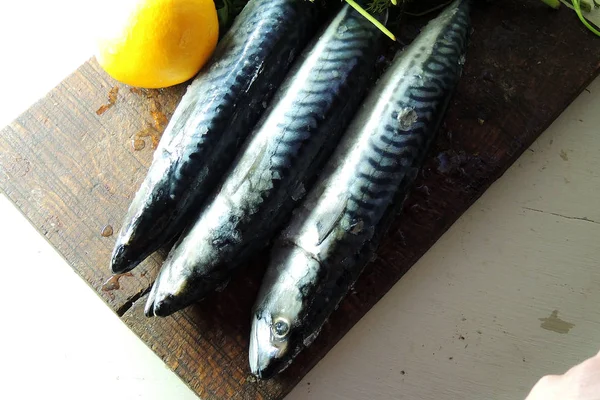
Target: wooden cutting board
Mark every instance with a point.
(73, 161)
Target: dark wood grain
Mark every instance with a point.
(69, 165)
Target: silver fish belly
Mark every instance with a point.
(334, 232)
(280, 159)
(216, 113)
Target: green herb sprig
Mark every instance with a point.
(227, 10)
(577, 6)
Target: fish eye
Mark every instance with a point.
(280, 328)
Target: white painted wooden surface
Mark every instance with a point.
(464, 323)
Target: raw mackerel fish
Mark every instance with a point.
(334, 232)
(281, 158)
(214, 116)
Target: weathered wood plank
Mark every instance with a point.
(72, 170)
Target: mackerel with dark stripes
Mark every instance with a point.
(335, 231)
(288, 146)
(214, 116)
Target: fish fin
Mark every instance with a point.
(332, 215)
(252, 168)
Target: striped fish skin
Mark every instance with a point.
(335, 231)
(283, 155)
(215, 115)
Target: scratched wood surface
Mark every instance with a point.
(74, 160)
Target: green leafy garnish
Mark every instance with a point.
(372, 19)
(227, 10)
(577, 6)
(552, 3)
(379, 6)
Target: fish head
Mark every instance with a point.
(283, 305)
(269, 345)
(183, 281)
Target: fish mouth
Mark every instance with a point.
(266, 372)
(266, 359)
(149, 308)
(166, 296)
(166, 306)
(170, 294)
(122, 259)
